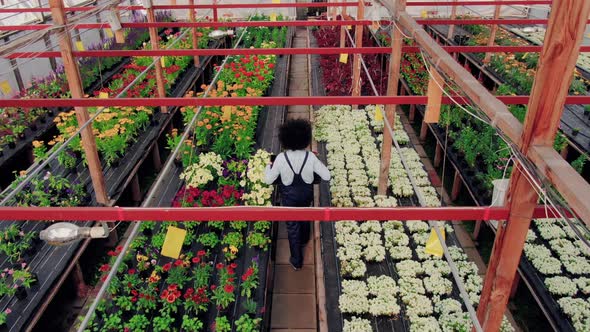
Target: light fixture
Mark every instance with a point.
(217, 34)
(63, 233)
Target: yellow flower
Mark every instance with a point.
(37, 144)
(141, 258)
(22, 173)
(233, 249)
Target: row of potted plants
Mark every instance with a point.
(15, 121)
(213, 285)
(421, 290)
(116, 128)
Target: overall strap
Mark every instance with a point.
(289, 162)
(304, 161)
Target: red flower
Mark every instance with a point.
(219, 266)
(131, 271)
(230, 279)
(173, 287)
(237, 75)
(271, 65)
(105, 268)
(134, 292)
(213, 287)
(119, 248)
(112, 253)
(201, 253)
(171, 298)
(134, 299)
(178, 262)
(167, 267)
(229, 288)
(196, 260)
(233, 265)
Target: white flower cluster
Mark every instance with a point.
(385, 201)
(436, 267)
(259, 193)
(356, 324)
(438, 285)
(354, 298)
(202, 172)
(409, 268)
(561, 286)
(584, 285)
(577, 310)
(384, 290)
(424, 324)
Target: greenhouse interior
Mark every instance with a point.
(294, 166)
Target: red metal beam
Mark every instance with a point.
(255, 101)
(479, 3)
(275, 51)
(27, 27)
(175, 7)
(252, 213)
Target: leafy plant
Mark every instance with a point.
(209, 240)
(579, 163)
(258, 240)
(113, 322)
(163, 323)
(250, 280)
(262, 226)
(247, 324)
(138, 323)
(191, 324)
(222, 324)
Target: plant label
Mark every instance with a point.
(109, 33)
(273, 17)
(276, 1)
(344, 57)
(103, 95)
(80, 45)
(5, 87)
(163, 62)
(433, 245)
(173, 242)
(378, 113)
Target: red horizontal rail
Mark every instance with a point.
(258, 101)
(480, 3)
(220, 24)
(252, 213)
(26, 27)
(175, 7)
(276, 51)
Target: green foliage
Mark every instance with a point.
(222, 324)
(247, 324)
(209, 240)
(191, 323)
(579, 163)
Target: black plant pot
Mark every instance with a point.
(147, 231)
(154, 122)
(12, 145)
(115, 163)
(178, 162)
(35, 277)
(21, 293)
(42, 118)
(33, 127)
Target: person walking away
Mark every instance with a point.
(294, 171)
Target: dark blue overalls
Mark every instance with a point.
(299, 194)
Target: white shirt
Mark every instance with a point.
(281, 168)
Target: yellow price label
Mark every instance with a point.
(344, 57)
(79, 45)
(276, 1)
(103, 95)
(424, 14)
(378, 113)
(109, 33)
(173, 242)
(5, 87)
(163, 62)
(433, 245)
(273, 17)
(349, 27)
(226, 113)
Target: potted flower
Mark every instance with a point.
(247, 324)
(222, 324)
(4, 317)
(191, 323)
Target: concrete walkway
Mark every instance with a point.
(294, 295)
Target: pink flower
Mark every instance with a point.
(10, 272)
(7, 311)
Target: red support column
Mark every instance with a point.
(437, 155)
(457, 182)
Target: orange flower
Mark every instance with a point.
(208, 126)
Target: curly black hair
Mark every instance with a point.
(295, 134)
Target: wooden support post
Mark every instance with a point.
(477, 229)
(514, 288)
(154, 39)
(434, 94)
(135, 189)
(392, 85)
(343, 28)
(423, 131)
(78, 277)
(356, 64)
(452, 26)
(457, 182)
(214, 10)
(119, 35)
(412, 113)
(75, 84)
(192, 18)
(563, 38)
(492, 37)
(48, 45)
(156, 157)
(437, 155)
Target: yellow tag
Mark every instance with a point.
(79, 45)
(5, 87)
(163, 62)
(109, 33)
(276, 1)
(344, 57)
(273, 17)
(173, 242)
(226, 113)
(433, 245)
(424, 14)
(378, 114)
(103, 95)
(349, 27)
